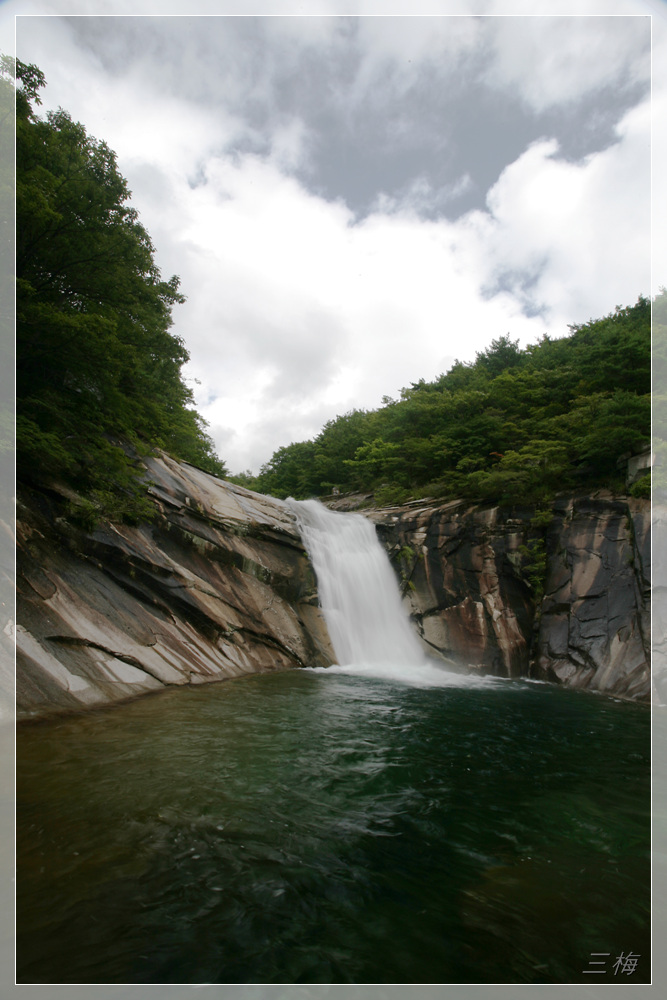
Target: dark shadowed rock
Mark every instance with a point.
(502, 592)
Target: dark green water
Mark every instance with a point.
(303, 827)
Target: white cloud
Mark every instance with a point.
(318, 310)
(581, 230)
(422, 198)
(314, 315)
(290, 145)
(396, 52)
(550, 61)
(142, 121)
(295, 312)
(659, 152)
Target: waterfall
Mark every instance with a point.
(358, 591)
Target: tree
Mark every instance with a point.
(6, 271)
(502, 354)
(97, 365)
(515, 425)
(288, 472)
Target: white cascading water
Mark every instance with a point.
(357, 587)
(361, 603)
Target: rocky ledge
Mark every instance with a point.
(217, 586)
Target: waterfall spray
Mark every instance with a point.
(358, 590)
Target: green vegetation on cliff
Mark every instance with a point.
(514, 425)
(98, 371)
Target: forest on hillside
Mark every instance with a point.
(515, 425)
(99, 373)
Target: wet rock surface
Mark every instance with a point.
(561, 594)
(218, 586)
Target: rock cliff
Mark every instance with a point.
(561, 594)
(219, 585)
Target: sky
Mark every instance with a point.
(352, 201)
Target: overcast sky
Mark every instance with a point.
(353, 202)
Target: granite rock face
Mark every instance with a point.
(594, 629)
(218, 586)
(659, 591)
(560, 595)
